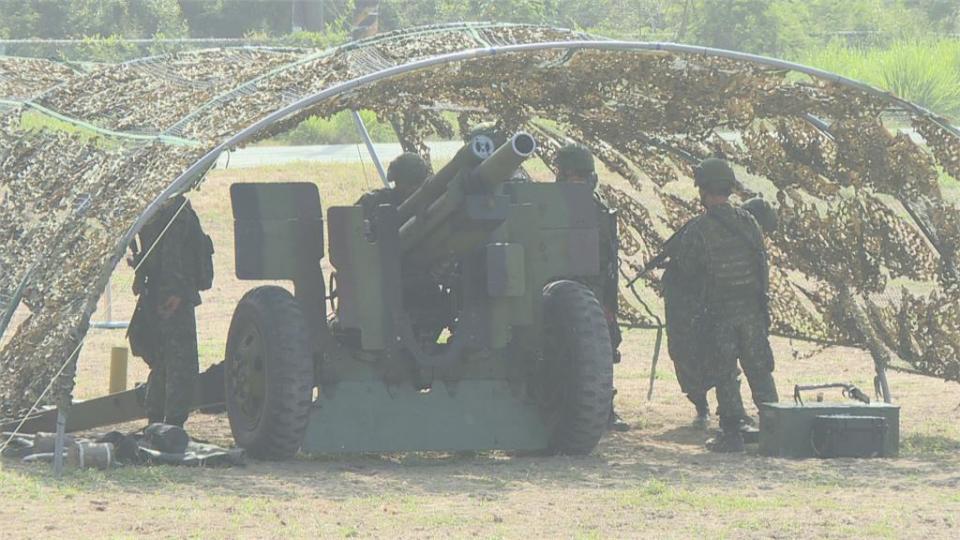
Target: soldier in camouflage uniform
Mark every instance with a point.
(575, 163)
(721, 254)
(407, 172)
(683, 311)
(163, 330)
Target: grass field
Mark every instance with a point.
(655, 481)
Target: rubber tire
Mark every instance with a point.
(288, 380)
(577, 342)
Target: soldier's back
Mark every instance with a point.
(734, 251)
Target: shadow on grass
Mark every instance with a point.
(483, 474)
(685, 435)
(621, 462)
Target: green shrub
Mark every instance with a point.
(338, 129)
(923, 72)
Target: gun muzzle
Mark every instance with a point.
(501, 165)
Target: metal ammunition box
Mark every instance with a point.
(840, 435)
(787, 429)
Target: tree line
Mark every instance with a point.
(910, 47)
(774, 27)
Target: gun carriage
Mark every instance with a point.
(448, 323)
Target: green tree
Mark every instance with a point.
(405, 13)
(79, 18)
(775, 28)
(943, 15)
(225, 19)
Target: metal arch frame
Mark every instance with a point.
(201, 166)
(473, 54)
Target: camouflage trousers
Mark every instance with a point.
(174, 365)
(741, 336)
(684, 315)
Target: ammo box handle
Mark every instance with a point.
(849, 391)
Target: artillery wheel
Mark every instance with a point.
(576, 373)
(269, 374)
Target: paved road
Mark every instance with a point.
(259, 156)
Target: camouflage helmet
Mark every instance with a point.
(574, 157)
(715, 176)
(407, 170)
(764, 213)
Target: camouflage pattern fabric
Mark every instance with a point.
(740, 336)
(605, 287)
(168, 345)
(721, 253)
(840, 183)
(683, 312)
(173, 366)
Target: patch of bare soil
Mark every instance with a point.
(655, 480)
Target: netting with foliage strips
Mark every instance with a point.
(865, 254)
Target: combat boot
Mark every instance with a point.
(702, 420)
(615, 423)
(750, 434)
(727, 442)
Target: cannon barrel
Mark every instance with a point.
(499, 166)
(436, 184)
(491, 172)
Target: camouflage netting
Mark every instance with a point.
(864, 255)
(23, 78)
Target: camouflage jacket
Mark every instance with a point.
(722, 257)
(169, 268)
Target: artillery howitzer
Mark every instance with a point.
(447, 324)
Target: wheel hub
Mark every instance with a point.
(247, 374)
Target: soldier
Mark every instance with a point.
(765, 214)
(575, 163)
(173, 264)
(721, 254)
(407, 172)
(683, 311)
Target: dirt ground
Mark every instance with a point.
(654, 481)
